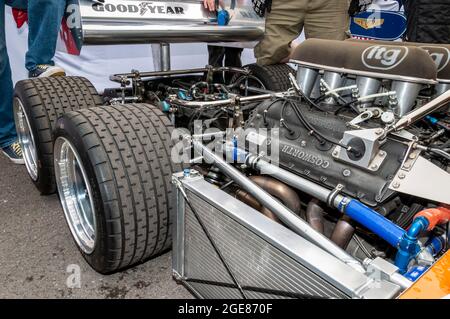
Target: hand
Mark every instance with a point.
(210, 5)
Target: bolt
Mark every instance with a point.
(396, 185)
(346, 172)
(335, 153)
(412, 156)
(374, 166)
(382, 153)
(401, 175)
(303, 143)
(379, 131)
(407, 165)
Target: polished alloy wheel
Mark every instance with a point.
(75, 194)
(26, 139)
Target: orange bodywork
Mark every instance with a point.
(434, 284)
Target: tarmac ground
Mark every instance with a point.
(39, 259)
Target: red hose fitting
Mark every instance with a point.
(435, 216)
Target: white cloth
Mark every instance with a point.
(385, 5)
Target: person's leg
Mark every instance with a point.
(232, 59)
(327, 19)
(7, 128)
(283, 25)
(44, 20)
(216, 55)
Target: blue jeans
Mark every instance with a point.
(44, 19)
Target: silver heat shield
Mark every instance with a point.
(266, 259)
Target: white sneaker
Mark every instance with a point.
(46, 70)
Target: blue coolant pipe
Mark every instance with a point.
(406, 242)
(372, 220)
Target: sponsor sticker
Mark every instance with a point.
(383, 57)
(369, 24)
(440, 56)
(141, 8)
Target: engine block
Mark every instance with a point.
(303, 154)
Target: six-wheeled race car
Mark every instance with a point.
(327, 177)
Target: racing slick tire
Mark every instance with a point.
(113, 171)
(38, 103)
(267, 77)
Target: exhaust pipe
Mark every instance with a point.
(275, 188)
(251, 201)
(279, 190)
(343, 232)
(314, 216)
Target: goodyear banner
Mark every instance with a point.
(381, 20)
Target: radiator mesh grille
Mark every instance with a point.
(253, 261)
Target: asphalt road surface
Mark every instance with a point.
(38, 258)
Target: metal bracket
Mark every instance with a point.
(333, 194)
(361, 118)
(373, 157)
(421, 178)
(161, 56)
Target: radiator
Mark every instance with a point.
(265, 259)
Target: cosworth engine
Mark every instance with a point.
(357, 148)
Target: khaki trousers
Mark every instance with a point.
(324, 19)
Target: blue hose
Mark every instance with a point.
(369, 218)
(408, 246)
(436, 244)
(407, 243)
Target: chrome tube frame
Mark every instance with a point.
(421, 112)
(227, 102)
(145, 75)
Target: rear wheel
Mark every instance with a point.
(269, 77)
(113, 171)
(38, 103)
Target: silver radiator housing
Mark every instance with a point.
(267, 259)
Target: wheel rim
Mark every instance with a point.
(26, 139)
(75, 194)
